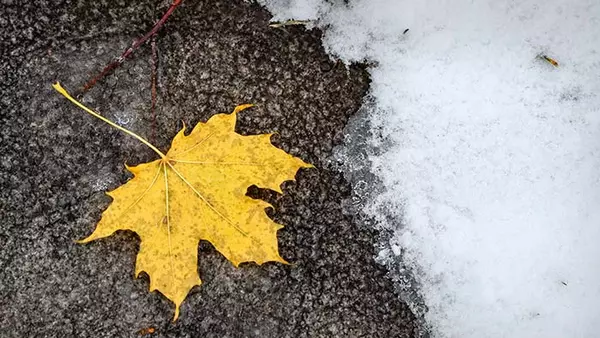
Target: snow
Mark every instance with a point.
(489, 156)
(294, 9)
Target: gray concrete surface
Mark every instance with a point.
(56, 162)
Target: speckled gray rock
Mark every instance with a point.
(56, 162)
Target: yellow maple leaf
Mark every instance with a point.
(197, 191)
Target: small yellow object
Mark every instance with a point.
(288, 23)
(146, 331)
(549, 60)
(197, 191)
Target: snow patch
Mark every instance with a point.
(488, 155)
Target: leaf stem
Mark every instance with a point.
(64, 93)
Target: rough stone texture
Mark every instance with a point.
(56, 162)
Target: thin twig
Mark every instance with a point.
(280, 24)
(154, 61)
(118, 61)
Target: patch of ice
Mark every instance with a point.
(123, 119)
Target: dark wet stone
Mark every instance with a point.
(56, 162)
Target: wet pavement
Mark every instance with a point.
(56, 162)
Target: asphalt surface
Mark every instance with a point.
(56, 162)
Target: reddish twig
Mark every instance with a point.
(154, 61)
(118, 61)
